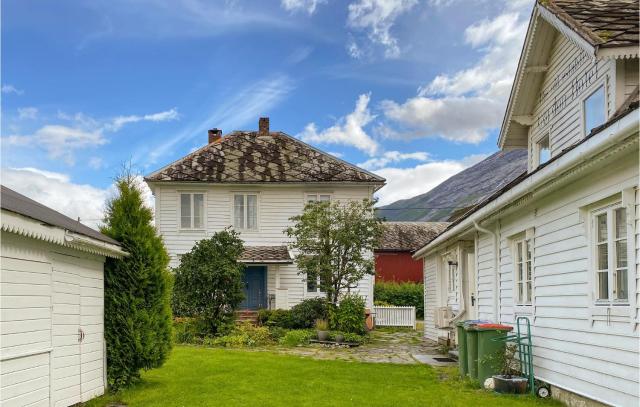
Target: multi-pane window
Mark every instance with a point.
(610, 251)
(318, 197)
(313, 284)
(543, 151)
(523, 270)
(594, 110)
(452, 277)
(191, 211)
(245, 211)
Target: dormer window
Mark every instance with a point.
(541, 151)
(594, 110)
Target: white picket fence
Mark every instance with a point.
(395, 316)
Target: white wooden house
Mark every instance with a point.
(255, 181)
(52, 348)
(561, 243)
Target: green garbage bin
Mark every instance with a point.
(472, 351)
(462, 349)
(490, 338)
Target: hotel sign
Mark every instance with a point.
(578, 84)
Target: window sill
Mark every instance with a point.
(192, 230)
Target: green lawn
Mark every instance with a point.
(196, 376)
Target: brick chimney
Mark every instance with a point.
(214, 135)
(263, 126)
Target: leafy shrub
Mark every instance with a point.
(354, 338)
(137, 288)
(245, 335)
(276, 318)
(296, 337)
(401, 295)
(349, 316)
(382, 303)
(305, 314)
(208, 282)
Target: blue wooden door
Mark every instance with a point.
(255, 288)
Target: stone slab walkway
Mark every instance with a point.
(386, 346)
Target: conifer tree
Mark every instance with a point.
(137, 313)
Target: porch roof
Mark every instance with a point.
(266, 254)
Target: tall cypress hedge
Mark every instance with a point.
(137, 313)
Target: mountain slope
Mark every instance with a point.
(462, 190)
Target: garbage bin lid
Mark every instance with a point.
(476, 321)
(499, 327)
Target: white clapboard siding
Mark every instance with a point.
(395, 316)
(25, 330)
(276, 205)
(430, 297)
(47, 293)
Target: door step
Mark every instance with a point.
(247, 316)
(453, 354)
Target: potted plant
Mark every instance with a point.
(322, 329)
(509, 380)
(339, 337)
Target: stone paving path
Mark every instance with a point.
(386, 346)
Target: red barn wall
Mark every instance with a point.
(397, 266)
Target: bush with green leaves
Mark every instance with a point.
(208, 282)
(349, 316)
(244, 335)
(137, 288)
(305, 313)
(276, 318)
(297, 337)
(401, 295)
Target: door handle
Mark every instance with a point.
(80, 335)
(473, 299)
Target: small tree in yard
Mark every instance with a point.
(137, 312)
(335, 243)
(208, 282)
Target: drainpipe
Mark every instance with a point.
(495, 267)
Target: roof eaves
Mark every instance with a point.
(632, 107)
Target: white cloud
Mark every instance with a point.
(393, 157)
(27, 113)
(96, 163)
(240, 108)
(59, 141)
(117, 123)
(377, 18)
(466, 105)
(58, 192)
(403, 183)
(307, 6)
(348, 130)
(11, 89)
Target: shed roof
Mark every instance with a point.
(408, 236)
(252, 157)
(603, 23)
(12, 201)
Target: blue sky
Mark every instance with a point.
(412, 90)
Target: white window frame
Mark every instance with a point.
(537, 150)
(452, 273)
(583, 101)
(317, 196)
(245, 211)
(317, 290)
(192, 211)
(519, 252)
(609, 211)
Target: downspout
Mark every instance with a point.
(495, 267)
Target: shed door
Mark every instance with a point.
(66, 334)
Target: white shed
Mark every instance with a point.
(52, 347)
